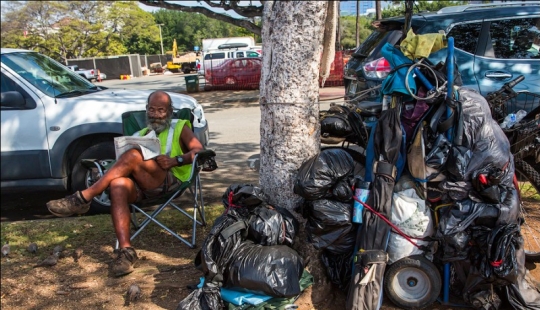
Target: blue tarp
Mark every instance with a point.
(237, 297)
(395, 81)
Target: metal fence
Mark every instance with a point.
(239, 73)
(115, 66)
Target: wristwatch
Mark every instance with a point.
(180, 160)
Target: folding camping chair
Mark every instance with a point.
(134, 121)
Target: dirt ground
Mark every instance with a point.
(163, 272)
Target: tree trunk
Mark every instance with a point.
(292, 44)
(378, 11)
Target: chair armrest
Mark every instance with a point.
(204, 155)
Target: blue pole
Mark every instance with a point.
(450, 83)
(446, 283)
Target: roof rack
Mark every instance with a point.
(463, 8)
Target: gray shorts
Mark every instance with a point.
(171, 183)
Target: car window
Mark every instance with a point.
(239, 54)
(7, 84)
(214, 56)
(466, 36)
(45, 74)
(252, 54)
(515, 38)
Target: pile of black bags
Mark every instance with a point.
(248, 248)
(325, 181)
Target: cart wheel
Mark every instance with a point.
(412, 282)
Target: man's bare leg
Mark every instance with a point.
(147, 173)
(123, 192)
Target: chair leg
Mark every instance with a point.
(196, 192)
(201, 209)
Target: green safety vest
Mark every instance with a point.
(173, 149)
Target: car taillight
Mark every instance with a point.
(379, 68)
(92, 72)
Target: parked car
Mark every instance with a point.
(494, 44)
(89, 74)
(235, 73)
(217, 57)
(51, 118)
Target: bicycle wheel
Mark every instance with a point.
(529, 189)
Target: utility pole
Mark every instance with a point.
(378, 12)
(161, 38)
(357, 23)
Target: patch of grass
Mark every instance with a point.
(75, 231)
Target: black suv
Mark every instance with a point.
(494, 44)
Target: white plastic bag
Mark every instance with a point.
(410, 214)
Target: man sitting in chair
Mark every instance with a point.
(131, 178)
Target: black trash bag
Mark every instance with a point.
(271, 270)
(326, 212)
(342, 191)
(522, 295)
(217, 250)
(266, 227)
(484, 142)
(291, 225)
(272, 226)
(323, 238)
(494, 253)
(335, 122)
(338, 268)
(438, 154)
(486, 182)
(205, 298)
(244, 195)
(345, 243)
(318, 175)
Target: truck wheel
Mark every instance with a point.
(187, 70)
(82, 178)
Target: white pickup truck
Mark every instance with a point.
(51, 118)
(89, 74)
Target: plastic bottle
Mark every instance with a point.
(361, 191)
(511, 119)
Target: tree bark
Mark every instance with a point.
(378, 11)
(292, 44)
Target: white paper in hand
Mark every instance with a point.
(148, 145)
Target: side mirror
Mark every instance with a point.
(12, 99)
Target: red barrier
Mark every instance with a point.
(336, 72)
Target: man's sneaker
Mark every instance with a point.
(123, 264)
(72, 204)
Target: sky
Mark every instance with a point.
(195, 3)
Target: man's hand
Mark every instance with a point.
(166, 162)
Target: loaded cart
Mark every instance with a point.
(442, 199)
(442, 218)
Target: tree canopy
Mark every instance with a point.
(419, 6)
(189, 29)
(72, 29)
(249, 12)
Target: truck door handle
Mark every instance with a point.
(498, 75)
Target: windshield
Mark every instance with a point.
(46, 74)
